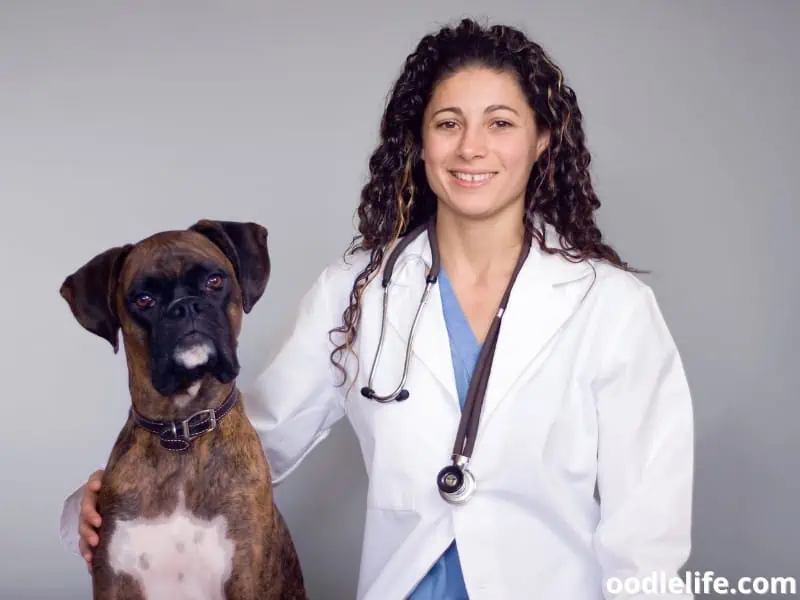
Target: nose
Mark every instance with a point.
(184, 307)
(472, 143)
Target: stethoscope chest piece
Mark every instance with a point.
(456, 484)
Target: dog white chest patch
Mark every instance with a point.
(174, 557)
(193, 356)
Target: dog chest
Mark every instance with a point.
(176, 556)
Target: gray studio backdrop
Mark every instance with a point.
(120, 119)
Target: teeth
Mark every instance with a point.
(473, 177)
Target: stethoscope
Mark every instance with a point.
(456, 482)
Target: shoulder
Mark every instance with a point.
(629, 316)
(616, 287)
(610, 289)
(615, 301)
(331, 288)
(338, 276)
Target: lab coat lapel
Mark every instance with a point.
(431, 345)
(546, 294)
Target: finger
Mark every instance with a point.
(91, 517)
(94, 518)
(85, 553)
(94, 482)
(89, 513)
(88, 535)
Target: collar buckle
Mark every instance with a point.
(205, 425)
(178, 435)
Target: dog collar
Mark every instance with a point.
(178, 435)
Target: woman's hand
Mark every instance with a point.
(89, 518)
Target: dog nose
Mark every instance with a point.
(186, 307)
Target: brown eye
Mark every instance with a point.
(144, 301)
(214, 282)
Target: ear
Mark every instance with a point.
(245, 245)
(90, 293)
(542, 143)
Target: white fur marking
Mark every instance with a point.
(193, 356)
(174, 557)
(181, 400)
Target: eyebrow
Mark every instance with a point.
(489, 109)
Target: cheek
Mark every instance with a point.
(432, 174)
(234, 319)
(134, 337)
(437, 150)
(437, 158)
(234, 312)
(517, 158)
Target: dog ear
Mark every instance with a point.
(90, 292)
(245, 245)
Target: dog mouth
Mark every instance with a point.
(194, 350)
(189, 359)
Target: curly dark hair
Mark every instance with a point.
(397, 196)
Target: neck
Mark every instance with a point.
(479, 251)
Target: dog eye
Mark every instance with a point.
(214, 282)
(144, 301)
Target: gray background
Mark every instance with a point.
(120, 119)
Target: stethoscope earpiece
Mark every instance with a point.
(370, 394)
(455, 482)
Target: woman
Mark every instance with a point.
(583, 458)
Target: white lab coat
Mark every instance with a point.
(587, 392)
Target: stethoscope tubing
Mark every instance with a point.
(399, 393)
(455, 482)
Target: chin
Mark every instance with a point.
(479, 207)
(474, 211)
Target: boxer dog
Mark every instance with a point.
(186, 499)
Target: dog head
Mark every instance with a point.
(177, 297)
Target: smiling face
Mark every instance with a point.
(479, 143)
